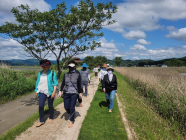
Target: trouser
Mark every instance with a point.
(42, 98)
(86, 84)
(69, 104)
(96, 74)
(111, 101)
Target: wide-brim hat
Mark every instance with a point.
(104, 65)
(45, 63)
(71, 65)
(110, 67)
(84, 65)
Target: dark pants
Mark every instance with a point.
(42, 98)
(86, 84)
(69, 104)
(96, 74)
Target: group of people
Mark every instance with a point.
(71, 88)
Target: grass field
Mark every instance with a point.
(99, 124)
(163, 89)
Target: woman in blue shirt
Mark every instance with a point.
(46, 85)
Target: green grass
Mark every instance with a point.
(99, 124)
(17, 130)
(146, 123)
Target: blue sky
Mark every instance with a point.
(145, 29)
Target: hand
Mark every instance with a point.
(59, 95)
(103, 90)
(80, 95)
(53, 95)
(36, 95)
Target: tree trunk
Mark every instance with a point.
(59, 70)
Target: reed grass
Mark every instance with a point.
(163, 88)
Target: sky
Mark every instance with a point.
(145, 29)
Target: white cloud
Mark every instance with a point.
(184, 47)
(132, 35)
(178, 34)
(143, 42)
(135, 58)
(138, 47)
(76, 4)
(7, 5)
(107, 49)
(144, 15)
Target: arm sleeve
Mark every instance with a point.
(55, 79)
(100, 74)
(79, 84)
(63, 83)
(103, 82)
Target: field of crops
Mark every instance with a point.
(164, 88)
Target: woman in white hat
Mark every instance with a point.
(110, 87)
(71, 86)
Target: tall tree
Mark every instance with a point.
(58, 32)
(118, 60)
(90, 61)
(100, 60)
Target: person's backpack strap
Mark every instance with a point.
(52, 76)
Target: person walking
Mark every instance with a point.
(79, 98)
(95, 70)
(71, 86)
(45, 88)
(85, 77)
(110, 87)
(102, 73)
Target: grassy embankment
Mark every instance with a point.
(154, 101)
(99, 123)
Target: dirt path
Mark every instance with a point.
(58, 130)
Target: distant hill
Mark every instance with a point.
(5, 62)
(28, 62)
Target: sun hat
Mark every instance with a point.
(71, 65)
(84, 65)
(44, 63)
(104, 65)
(110, 67)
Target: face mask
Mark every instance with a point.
(109, 72)
(71, 69)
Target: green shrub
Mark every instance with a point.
(14, 83)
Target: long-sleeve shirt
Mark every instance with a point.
(102, 73)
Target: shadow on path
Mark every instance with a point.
(103, 103)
